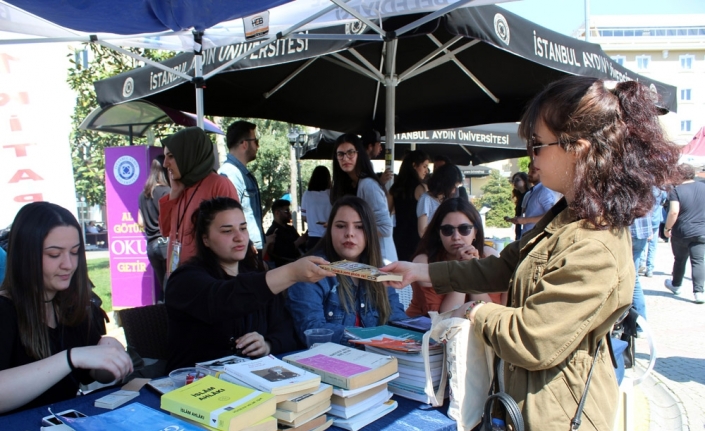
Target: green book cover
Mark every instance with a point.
(215, 402)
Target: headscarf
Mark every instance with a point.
(193, 152)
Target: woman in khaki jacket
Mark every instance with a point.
(600, 145)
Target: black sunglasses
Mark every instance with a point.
(464, 229)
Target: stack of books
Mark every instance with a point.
(405, 345)
(302, 400)
(360, 393)
(215, 404)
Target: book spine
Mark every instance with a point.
(193, 413)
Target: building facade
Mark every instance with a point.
(668, 48)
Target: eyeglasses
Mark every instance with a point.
(463, 229)
(255, 140)
(534, 149)
(350, 154)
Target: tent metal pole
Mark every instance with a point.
(144, 59)
(390, 82)
(289, 78)
(440, 60)
(430, 17)
(466, 70)
(198, 81)
(360, 37)
(349, 64)
(364, 61)
(357, 15)
(423, 61)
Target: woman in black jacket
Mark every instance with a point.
(220, 302)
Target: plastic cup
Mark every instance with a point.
(184, 376)
(318, 335)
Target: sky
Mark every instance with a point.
(565, 16)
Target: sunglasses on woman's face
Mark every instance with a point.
(464, 229)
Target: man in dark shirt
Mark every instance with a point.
(287, 240)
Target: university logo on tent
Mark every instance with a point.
(128, 87)
(501, 28)
(126, 170)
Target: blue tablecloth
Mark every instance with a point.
(409, 415)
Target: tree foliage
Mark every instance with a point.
(524, 164)
(497, 195)
(88, 147)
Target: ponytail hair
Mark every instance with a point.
(628, 153)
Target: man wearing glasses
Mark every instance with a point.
(243, 143)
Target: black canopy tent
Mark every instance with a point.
(471, 66)
(477, 144)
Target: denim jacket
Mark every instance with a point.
(317, 305)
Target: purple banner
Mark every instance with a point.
(131, 275)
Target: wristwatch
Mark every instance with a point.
(471, 306)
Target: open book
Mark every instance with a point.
(361, 270)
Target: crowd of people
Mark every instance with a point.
(543, 304)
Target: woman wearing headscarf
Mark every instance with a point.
(188, 157)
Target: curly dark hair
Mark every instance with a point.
(622, 149)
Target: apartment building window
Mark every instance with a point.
(643, 61)
(685, 94)
(687, 61)
(685, 126)
(619, 59)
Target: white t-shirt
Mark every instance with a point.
(315, 206)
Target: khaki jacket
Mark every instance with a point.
(568, 284)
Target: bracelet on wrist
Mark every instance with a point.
(471, 306)
(68, 359)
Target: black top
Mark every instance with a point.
(406, 232)
(691, 218)
(284, 250)
(13, 354)
(518, 212)
(150, 212)
(206, 311)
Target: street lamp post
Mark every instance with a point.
(297, 139)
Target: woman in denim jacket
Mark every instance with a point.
(341, 301)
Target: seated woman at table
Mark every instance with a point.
(340, 301)
(220, 302)
(49, 334)
(455, 233)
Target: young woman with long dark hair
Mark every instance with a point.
(406, 191)
(455, 233)
(315, 205)
(601, 145)
(155, 188)
(50, 337)
(340, 301)
(221, 301)
(442, 185)
(353, 175)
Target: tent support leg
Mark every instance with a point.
(390, 82)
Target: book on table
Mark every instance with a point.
(337, 400)
(131, 417)
(435, 355)
(267, 424)
(412, 392)
(343, 366)
(363, 419)
(217, 366)
(419, 323)
(311, 425)
(297, 403)
(302, 417)
(279, 397)
(273, 375)
(362, 406)
(219, 404)
(391, 338)
(360, 270)
(347, 393)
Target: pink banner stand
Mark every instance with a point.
(131, 275)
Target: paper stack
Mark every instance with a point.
(405, 345)
(302, 400)
(361, 395)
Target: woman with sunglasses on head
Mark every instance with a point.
(340, 301)
(50, 333)
(455, 233)
(353, 175)
(570, 278)
(221, 302)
